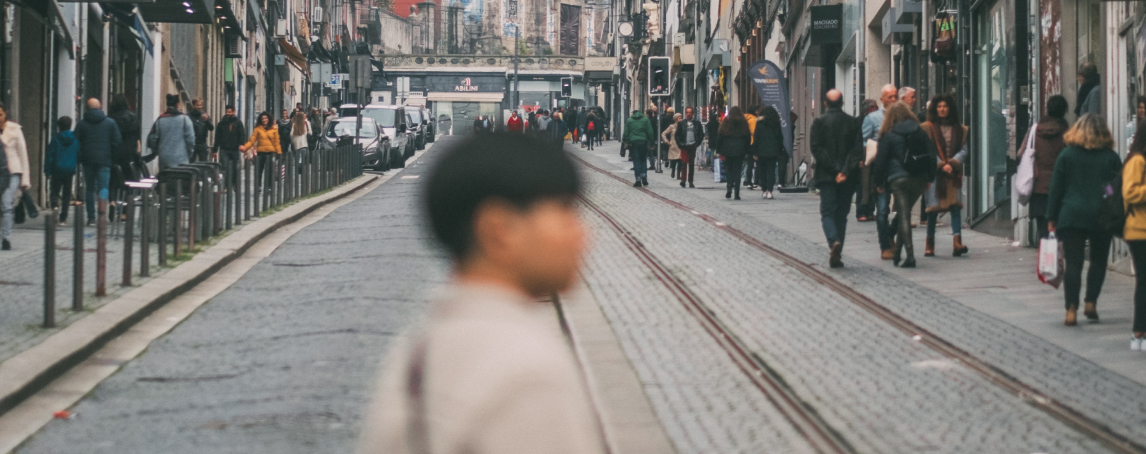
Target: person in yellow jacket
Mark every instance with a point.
(1134, 198)
(749, 166)
(265, 141)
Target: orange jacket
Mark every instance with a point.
(265, 140)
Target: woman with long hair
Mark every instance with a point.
(1134, 197)
(299, 133)
(265, 141)
(1083, 169)
(669, 137)
(901, 137)
(865, 209)
(768, 144)
(735, 137)
(1048, 144)
(946, 194)
(19, 171)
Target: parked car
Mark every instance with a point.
(375, 144)
(392, 120)
(431, 124)
(348, 110)
(417, 127)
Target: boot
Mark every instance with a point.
(1091, 312)
(909, 262)
(1071, 316)
(929, 249)
(958, 249)
(728, 193)
(737, 193)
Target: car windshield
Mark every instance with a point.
(346, 128)
(415, 116)
(384, 117)
(348, 111)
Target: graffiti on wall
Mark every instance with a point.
(1050, 43)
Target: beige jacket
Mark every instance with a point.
(17, 151)
(498, 377)
(669, 137)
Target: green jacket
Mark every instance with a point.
(637, 127)
(1077, 185)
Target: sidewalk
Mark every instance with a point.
(995, 279)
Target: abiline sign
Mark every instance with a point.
(466, 86)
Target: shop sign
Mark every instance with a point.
(465, 84)
(827, 24)
(772, 88)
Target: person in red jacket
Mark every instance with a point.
(515, 125)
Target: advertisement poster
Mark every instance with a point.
(772, 88)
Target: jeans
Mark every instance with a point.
(687, 163)
(882, 210)
(230, 161)
(734, 165)
(96, 178)
(1138, 252)
(956, 222)
(639, 150)
(61, 187)
(749, 171)
(865, 209)
(835, 204)
(200, 153)
(907, 191)
(766, 173)
(8, 205)
(1074, 250)
(265, 171)
(592, 138)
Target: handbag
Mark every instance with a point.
(624, 145)
(1051, 261)
(1025, 177)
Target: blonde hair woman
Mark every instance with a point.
(1081, 172)
(669, 137)
(900, 137)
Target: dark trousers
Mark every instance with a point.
(907, 191)
(639, 149)
(865, 195)
(1138, 252)
(200, 153)
(750, 170)
(687, 163)
(61, 188)
(265, 170)
(733, 164)
(230, 159)
(883, 228)
(766, 173)
(835, 203)
(1074, 250)
(592, 138)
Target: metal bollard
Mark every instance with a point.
(78, 260)
(128, 232)
(101, 248)
(161, 238)
(145, 234)
(178, 218)
(246, 189)
(50, 268)
(192, 213)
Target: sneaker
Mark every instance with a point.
(645, 181)
(770, 195)
(1137, 344)
(637, 184)
(5, 246)
(682, 184)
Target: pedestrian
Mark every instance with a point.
(872, 125)
(16, 152)
(60, 161)
(638, 139)
(126, 156)
(905, 164)
(201, 122)
(230, 135)
(267, 147)
(865, 209)
(591, 129)
(836, 147)
(1134, 196)
(542, 122)
(666, 120)
(768, 146)
(558, 128)
(478, 125)
(98, 136)
(1089, 99)
(570, 117)
(689, 135)
(669, 137)
(1083, 169)
(515, 125)
(300, 129)
(483, 374)
(734, 143)
(1048, 144)
(316, 126)
(946, 194)
(284, 124)
(712, 129)
(746, 173)
(172, 136)
(583, 126)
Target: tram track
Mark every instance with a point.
(800, 414)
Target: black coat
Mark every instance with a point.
(893, 149)
(768, 141)
(735, 145)
(230, 134)
(128, 124)
(682, 134)
(99, 137)
(836, 144)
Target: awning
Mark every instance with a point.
(464, 97)
(295, 57)
(177, 11)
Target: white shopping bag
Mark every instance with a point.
(872, 148)
(716, 162)
(1051, 262)
(1025, 177)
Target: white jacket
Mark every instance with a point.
(17, 151)
(300, 142)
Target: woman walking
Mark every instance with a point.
(1134, 196)
(768, 145)
(265, 141)
(734, 142)
(299, 137)
(592, 129)
(1083, 169)
(669, 137)
(902, 140)
(946, 194)
(16, 151)
(1048, 144)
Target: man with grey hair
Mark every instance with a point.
(888, 96)
(907, 95)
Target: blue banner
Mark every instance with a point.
(772, 88)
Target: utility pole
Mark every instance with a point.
(516, 45)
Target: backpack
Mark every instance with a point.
(591, 126)
(919, 157)
(1111, 217)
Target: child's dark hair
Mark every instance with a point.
(520, 170)
(64, 123)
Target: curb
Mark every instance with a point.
(24, 374)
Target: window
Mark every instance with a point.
(346, 128)
(384, 117)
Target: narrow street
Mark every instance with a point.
(285, 359)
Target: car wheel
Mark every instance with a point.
(384, 160)
(431, 137)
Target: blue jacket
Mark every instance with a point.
(60, 160)
(99, 137)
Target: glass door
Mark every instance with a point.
(992, 108)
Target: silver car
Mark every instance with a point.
(375, 144)
(395, 126)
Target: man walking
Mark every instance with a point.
(689, 134)
(229, 136)
(836, 146)
(172, 137)
(201, 122)
(882, 196)
(639, 136)
(98, 137)
(284, 124)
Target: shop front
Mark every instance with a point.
(463, 97)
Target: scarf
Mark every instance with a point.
(941, 143)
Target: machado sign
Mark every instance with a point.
(772, 88)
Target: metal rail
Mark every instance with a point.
(1027, 393)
